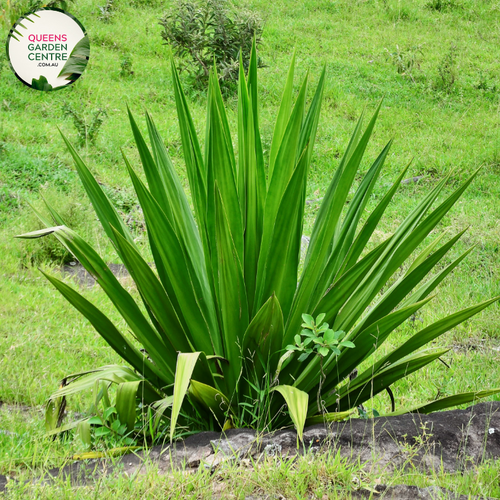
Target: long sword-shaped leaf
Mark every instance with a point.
(221, 170)
(433, 331)
(283, 117)
(286, 162)
(106, 212)
(192, 291)
(370, 225)
(111, 334)
(114, 374)
(251, 187)
(342, 289)
(358, 392)
(59, 220)
(195, 166)
(402, 287)
(404, 242)
(325, 228)
(153, 293)
(264, 339)
(254, 103)
(343, 240)
(162, 355)
(182, 216)
(448, 402)
(367, 341)
(281, 266)
(431, 285)
(231, 293)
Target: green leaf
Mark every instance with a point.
(120, 297)
(210, 398)
(323, 351)
(183, 372)
(106, 213)
(126, 395)
(154, 295)
(232, 297)
(102, 431)
(83, 432)
(109, 332)
(77, 61)
(347, 343)
(329, 417)
(283, 116)
(160, 407)
(195, 166)
(264, 338)
(297, 402)
(326, 222)
(360, 389)
(450, 401)
(191, 290)
(41, 83)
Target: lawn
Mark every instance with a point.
(435, 64)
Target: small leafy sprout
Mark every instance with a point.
(319, 340)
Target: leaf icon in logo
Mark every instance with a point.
(41, 83)
(77, 61)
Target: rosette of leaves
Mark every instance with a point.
(225, 296)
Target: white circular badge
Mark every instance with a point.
(48, 49)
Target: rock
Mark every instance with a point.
(403, 492)
(199, 454)
(452, 441)
(236, 443)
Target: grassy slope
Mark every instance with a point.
(42, 338)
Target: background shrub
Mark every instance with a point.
(200, 32)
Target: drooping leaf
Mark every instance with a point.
(297, 402)
(184, 370)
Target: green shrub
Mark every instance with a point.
(126, 66)
(204, 31)
(222, 326)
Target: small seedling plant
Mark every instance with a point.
(318, 338)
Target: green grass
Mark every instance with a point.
(42, 338)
